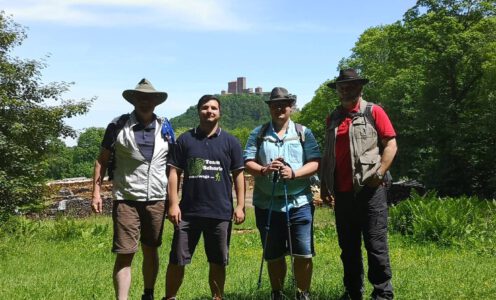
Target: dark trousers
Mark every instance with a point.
(364, 214)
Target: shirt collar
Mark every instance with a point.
(288, 129)
(354, 109)
(134, 121)
(199, 132)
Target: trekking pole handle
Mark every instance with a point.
(275, 177)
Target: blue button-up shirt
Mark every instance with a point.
(294, 153)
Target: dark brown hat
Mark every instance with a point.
(348, 75)
(144, 87)
(280, 94)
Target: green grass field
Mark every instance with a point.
(70, 259)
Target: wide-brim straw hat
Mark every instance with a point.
(144, 87)
(348, 75)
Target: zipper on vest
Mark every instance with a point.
(148, 182)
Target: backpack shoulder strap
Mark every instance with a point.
(167, 131)
(260, 137)
(119, 124)
(301, 132)
(261, 134)
(334, 118)
(368, 113)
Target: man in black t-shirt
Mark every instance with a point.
(207, 156)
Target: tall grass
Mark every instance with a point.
(71, 259)
(461, 222)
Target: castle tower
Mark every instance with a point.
(241, 84)
(232, 87)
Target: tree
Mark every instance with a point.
(58, 160)
(242, 135)
(435, 73)
(27, 123)
(237, 111)
(86, 151)
(314, 113)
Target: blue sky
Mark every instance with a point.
(190, 48)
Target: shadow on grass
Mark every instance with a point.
(330, 295)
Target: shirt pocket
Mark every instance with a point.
(295, 153)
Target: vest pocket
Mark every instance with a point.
(369, 165)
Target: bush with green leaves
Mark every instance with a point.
(27, 122)
(459, 222)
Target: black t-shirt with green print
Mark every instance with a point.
(207, 163)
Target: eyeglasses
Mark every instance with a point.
(280, 104)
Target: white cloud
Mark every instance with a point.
(177, 14)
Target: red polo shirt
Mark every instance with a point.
(344, 174)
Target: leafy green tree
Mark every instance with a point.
(27, 122)
(435, 73)
(314, 113)
(241, 134)
(58, 160)
(86, 151)
(180, 130)
(237, 111)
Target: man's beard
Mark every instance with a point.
(350, 98)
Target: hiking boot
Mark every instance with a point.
(347, 296)
(276, 295)
(146, 297)
(303, 295)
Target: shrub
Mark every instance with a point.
(19, 227)
(463, 221)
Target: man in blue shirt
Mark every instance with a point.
(295, 156)
(207, 156)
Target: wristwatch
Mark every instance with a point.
(379, 175)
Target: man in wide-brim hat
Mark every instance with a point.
(144, 89)
(360, 146)
(136, 150)
(348, 76)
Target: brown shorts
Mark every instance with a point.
(137, 221)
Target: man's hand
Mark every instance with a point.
(374, 181)
(96, 204)
(174, 214)
(274, 166)
(286, 172)
(239, 215)
(326, 197)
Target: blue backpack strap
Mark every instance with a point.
(168, 131)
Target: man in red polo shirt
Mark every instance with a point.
(360, 146)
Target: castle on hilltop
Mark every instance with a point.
(239, 87)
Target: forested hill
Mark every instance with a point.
(237, 110)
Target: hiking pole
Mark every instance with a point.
(267, 228)
(288, 222)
